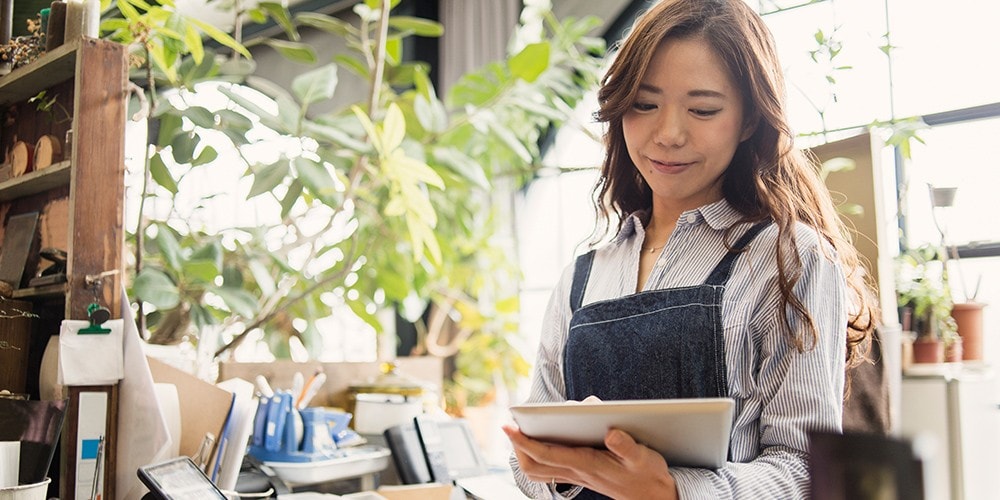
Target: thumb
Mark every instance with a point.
(621, 443)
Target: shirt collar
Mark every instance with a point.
(719, 215)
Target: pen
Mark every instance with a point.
(312, 387)
(95, 490)
(297, 382)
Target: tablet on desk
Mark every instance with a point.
(687, 432)
(179, 479)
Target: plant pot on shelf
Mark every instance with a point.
(969, 318)
(928, 349)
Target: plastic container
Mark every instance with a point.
(36, 491)
(354, 462)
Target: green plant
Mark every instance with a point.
(922, 287)
(389, 201)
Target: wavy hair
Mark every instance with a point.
(768, 176)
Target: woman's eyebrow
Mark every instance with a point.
(645, 87)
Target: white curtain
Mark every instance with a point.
(475, 33)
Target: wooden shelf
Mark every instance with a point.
(84, 198)
(55, 175)
(37, 292)
(50, 69)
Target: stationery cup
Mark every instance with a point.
(10, 463)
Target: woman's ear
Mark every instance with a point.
(749, 128)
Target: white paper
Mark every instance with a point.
(10, 463)
(90, 359)
(143, 437)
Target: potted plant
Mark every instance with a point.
(925, 303)
(968, 314)
(404, 185)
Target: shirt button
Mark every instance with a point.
(691, 218)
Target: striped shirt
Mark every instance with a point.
(781, 394)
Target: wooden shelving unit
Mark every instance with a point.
(80, 201)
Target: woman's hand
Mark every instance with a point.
(625, 470)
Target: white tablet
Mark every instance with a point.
(687, 432)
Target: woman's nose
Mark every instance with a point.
(671, 130)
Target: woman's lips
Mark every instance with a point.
(670, 167)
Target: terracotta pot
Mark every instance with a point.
(928, 350)
(969, 318)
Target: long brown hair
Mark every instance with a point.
(768, 176)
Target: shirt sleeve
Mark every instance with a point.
(547, 382)
(796, 392)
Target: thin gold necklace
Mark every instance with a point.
(653, 249)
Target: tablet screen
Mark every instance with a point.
(179, 478)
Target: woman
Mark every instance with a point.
(728, 256)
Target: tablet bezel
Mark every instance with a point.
(690, 432)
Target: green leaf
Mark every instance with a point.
(161, 174)
(238, 300)
(232, 276)
(201, 316)
(293, 51)
(229, 119)
(335, 136)
(182, 147)
(531, 62)
(203, 271)
(169, 247)
(281, 16)
(292, 195)
(200, 116)
(462, 165)
(393, 50)
(316, 85)
(192, 39)
(315, 177)
(247, 104)
(393, 128)
(359, 309)
(211, 251)
(155, 287)
(267, 178)
(221, 37)
(416, 25)
(263, 277)
(356, 66)
(432, 115)
(510, 140)
(329, 24)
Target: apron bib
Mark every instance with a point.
(656, 344)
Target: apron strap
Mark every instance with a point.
(720, 275)
(581, 275)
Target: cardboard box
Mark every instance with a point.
(431, 491)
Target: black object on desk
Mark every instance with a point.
(37, 425)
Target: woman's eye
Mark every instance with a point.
(705, 112)
(643, 106)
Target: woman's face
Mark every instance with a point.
(683, 128)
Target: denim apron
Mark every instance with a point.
(655, 344)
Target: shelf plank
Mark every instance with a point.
(55, 175)
(52, 68)
(36, 292)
